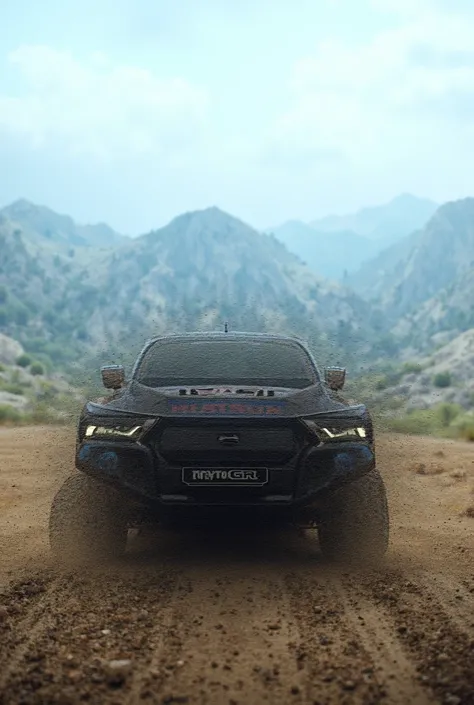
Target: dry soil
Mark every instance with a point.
(244, 616)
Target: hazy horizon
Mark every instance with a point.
(266, 229)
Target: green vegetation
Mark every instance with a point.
(442, 379)
(17, 389)
(9, 415)
(37, 368)
(445, 420)
(412, 368)
(24, 360)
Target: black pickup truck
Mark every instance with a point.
(223, 420)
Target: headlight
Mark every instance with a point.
(329, 433)
(132, 432)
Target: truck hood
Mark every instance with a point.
(139, 400)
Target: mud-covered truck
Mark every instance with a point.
(239, 421)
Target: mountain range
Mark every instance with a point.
(387, 222)
(47, 228)
(337, 246)
(203, 268)
(69, 292)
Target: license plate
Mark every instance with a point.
(229, 477)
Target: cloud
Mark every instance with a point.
(417, 7)
(396, 95)
(99, 110)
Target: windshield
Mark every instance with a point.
(212, 362)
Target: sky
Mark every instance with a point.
(131, 112)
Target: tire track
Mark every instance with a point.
(378, 635)
(149, 676)
(86, 623)
(442, 652)
(26, 607)
(454, 595)
(338, 667)
(237, 618)
(228, 640)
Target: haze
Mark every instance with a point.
(132, 112)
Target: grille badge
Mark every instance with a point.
(228, 439)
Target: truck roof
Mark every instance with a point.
(221, 335)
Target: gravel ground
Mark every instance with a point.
(241, 617)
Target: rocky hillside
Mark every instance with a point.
(440, 256)
(29, 391)
(201, 269)
(425, 284)
(33, 283)
(446, 376)
(380, 274)
(66, 304)
(207, 267)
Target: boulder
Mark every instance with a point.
(10, 350)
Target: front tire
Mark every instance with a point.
(87, 523)
(355, 525)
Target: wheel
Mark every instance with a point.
(86, 522)
(355, 525)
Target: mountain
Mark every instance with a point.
(330, 254)
(381, 273)
(441, 318)
(33, 282)
(206, 267)
(48, 228)
(442, 253)
(424, 284)
(201, 269)
(338, 246)
(385, 223)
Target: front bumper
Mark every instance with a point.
(136, 470)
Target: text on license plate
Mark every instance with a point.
(225, 476)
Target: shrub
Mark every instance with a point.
(467, 433)
(447, 413)
(37, 368)
(420, 422)
(442, 379)
(463, 427)
(9, 415)
(412, 368)
(13, 389)
(41, 413)
(381, 383)
(24, 360)
(47, 391)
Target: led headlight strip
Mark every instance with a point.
(334, 434)
(128, 430)
(117, 431)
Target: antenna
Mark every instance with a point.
(226, 327)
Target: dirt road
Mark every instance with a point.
(241, 617)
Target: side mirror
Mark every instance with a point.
(113, 376)
(335, 377)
